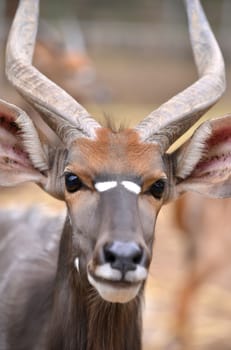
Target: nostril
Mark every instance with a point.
(109, 256)
(124, 256)
(138, 257)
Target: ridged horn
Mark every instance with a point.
(167, 123)
(59, 110)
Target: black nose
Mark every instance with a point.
(123, 256)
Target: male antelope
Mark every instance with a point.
(80, 286)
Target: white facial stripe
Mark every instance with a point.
(105, 186)
(108, 185)
(131, 186)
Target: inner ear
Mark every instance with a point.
(11, 146)
(20, 144)
(216, 157)
(203, 163)
(8, 128)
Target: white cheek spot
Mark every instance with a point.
(105, 186)
(76, 263)
(131, 186)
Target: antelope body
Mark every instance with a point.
(205, 227)
(77, 282)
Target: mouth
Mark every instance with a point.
(112, 287)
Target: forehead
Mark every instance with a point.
(115, 153)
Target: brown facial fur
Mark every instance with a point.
(113, 156)
(116, 153)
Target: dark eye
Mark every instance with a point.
(72, 182)
(157, 188)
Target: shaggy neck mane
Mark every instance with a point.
(81, 319)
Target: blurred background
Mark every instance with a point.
(123, 59)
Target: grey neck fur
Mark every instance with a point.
(81, 319)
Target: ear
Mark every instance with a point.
(203, 163)
(23, 156)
